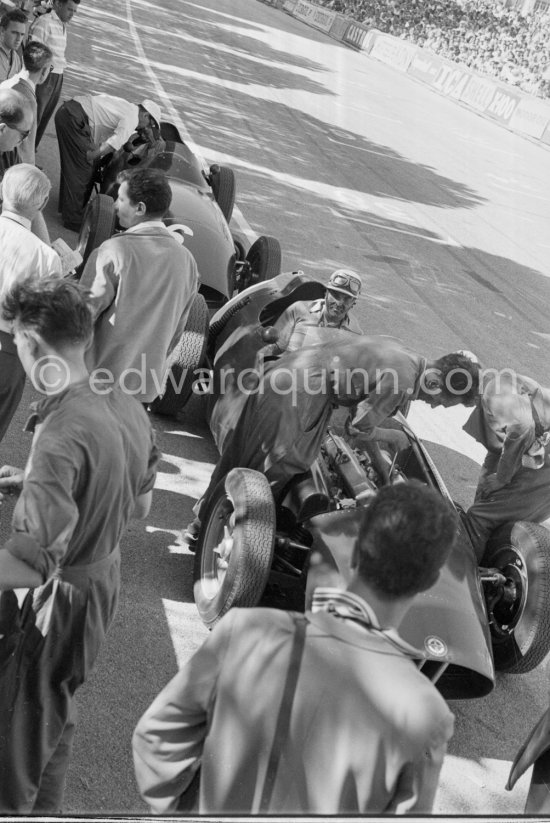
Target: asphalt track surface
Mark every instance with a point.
(348, 163)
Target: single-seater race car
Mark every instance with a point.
(201, 208)
(254, 549)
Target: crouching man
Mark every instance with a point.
(92, 468)
(319, 714)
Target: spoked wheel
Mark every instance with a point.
(519, 606)
(223, 185)
(235, 549)
(186, 358)
(263, 261)
(98, 224)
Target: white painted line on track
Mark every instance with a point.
(376, 116)
(368, 151)
(448, 431)
(238, 216)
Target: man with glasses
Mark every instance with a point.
(298, 325)
(37, 61)
(15, 125)
(13, 27)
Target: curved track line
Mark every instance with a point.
(238, 216)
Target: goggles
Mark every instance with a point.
(345, 281)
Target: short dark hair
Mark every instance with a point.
(56, 309)
(12, 107)
(405, 537)
(149, 186)
(460, 377)
(36, 55)
(12, 16)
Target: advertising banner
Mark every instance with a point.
(530, 117)
(304, 11)
(290, 5)
(451, 80)
(338, 28)
(425, 67)
(322, 19)
(356, 35)
(393, 52)
(478, 93)
(503, 104)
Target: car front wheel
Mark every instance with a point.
(98, 224)
(519, 605)
(235, 549)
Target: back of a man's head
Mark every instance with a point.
(405, 537)
(460, 376)
(36, 55)
(15, 118)
(150, 187)
(11, 107)
(54, 308)
(25, 190)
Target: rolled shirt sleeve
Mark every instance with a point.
(126, 126)
(510, 417)
(385, 399)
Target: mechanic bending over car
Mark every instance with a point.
(284, 419)
(89, 127)
(297, 326)
(512, 421)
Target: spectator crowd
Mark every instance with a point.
(484, 36)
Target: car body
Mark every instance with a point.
(194, 213)
(201, 208)
(470, 622)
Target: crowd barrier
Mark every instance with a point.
(516, 110)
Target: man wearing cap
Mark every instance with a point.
(298, 325)
(89, 127)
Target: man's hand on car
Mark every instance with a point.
(488, 485)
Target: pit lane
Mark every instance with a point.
(347, 163)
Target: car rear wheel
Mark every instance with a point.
(235, 549)
(223, 185)
(519, 610)
(185, 360)
(98, 224)
(264, 258)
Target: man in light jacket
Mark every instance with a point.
(142, 285)
(367, 731)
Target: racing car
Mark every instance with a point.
(257, 550)
(201, 208)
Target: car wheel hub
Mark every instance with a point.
(510, 598)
